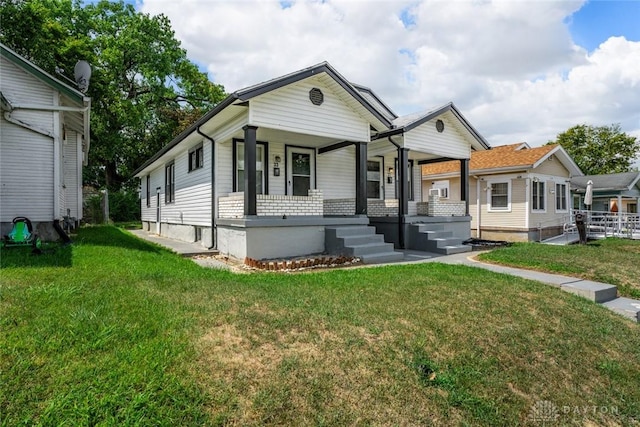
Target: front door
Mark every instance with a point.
(158, 212)
(300, 171)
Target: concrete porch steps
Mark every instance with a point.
(360, 241)
(433, 238)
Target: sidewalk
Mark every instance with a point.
(601, 293)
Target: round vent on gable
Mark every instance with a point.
(439, 125)
(316, 96)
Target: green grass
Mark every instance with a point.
(116, 331)
(615, 261)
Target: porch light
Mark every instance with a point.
(389, 175)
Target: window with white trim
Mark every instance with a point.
(148, 191)
(196, 157)
(537, 196)
(561, 198)
(499, 196)
(238, 166)
(169, 183)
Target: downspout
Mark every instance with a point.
(214, 243)
(478, 207)
(401, 235)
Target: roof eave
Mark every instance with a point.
(175, 141)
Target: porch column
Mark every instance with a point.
(403, 181)
(250, 197)
(464, 184)
(619, 213)
(361, 178)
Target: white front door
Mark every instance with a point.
(300, 171)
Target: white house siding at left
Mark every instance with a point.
(290, 109)
(26, 176)
(449, 143)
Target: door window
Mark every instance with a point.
(301, 165)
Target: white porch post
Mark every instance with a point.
(619, 213)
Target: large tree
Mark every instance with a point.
(144, 89)
(599, 149)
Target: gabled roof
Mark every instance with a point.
(375, 101)
(406, 123)
(245, 94)
(606, 182)
(504, 158)
(40, 74)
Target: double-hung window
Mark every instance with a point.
(196, 157)
(148, 191)
(238, 166)
(561, 198)
(500, 196)
(170, 183)
(537, 196)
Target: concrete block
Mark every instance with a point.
(594, 291)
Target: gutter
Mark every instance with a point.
(214, 243)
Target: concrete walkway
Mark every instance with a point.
(602, 293)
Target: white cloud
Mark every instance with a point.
(511, 67)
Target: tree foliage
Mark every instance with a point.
(144, 90)
(599, 149)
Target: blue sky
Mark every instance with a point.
(518, 70)
(596, 21)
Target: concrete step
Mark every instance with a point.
(368, 249)
(427, 227)
(432, 234)
(453, 249)
(382, 257)
(361, 240)
(594, 291)
(350, 230)
(627, 307)
(441, 242)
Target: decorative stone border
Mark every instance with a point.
(320, 261)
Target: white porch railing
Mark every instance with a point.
(232, 206)
(389, 207)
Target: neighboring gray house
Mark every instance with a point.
(44, 143)
(303, 164)
(614, 192)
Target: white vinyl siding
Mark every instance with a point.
(449, 143)
(71, 178)
(26, 172)
(192, 203)
(336, 173)
(290, 109)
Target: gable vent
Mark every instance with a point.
(316, 96)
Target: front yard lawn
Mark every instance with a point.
(117, 331)
(615, 261)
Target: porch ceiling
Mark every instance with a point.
(383, 147)
(293, 138)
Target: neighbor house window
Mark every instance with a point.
(442, 188)
(632, 208)
(537, 196)
(561, 197)
(148, 191)
(238, 166)
(500, 196)
(196, 157)
(170, 183)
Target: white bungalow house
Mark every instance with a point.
(44, 143)
(303, 164)
(517, 193)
